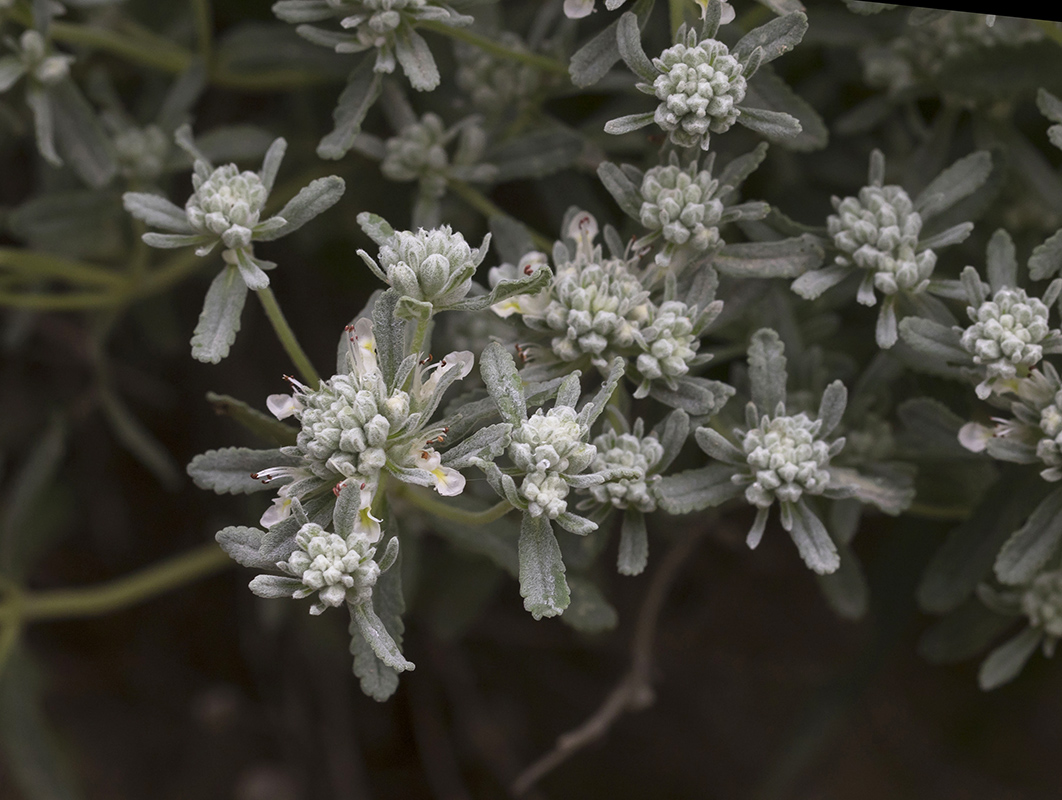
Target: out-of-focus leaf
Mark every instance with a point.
(535, 154)
(80, 137)
(767, 90)
(589, 611)
(138, 440)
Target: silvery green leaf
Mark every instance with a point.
(967, 555)
(595, 407)
(1012, 450)
(244, 545)
(629, 123)
(812, 540)
(885, 333)
(376, 227)
(932, 427)
(634, 543)
(1034, 544)
(622, 189)
(36, 767)
(962, 634)
(768, 91)
(345, 516)
(695, 395)
(156, 211)
(933, 339)
(889, 496)
(80, 137)
(959, 180)
(1001, 261)
(593, 60)
(573, 523)
(378, 638)
(363, 87)
(311, 201)
(767, 370)
(1005, 662)
(169, 241)
(542, 583)
(697, 489)
(784, 258)
(1046, 259)
(487, 443)
(299, 11)
(138, 440)
(629, 40)
(273, 587)
(416, 59)
(535, 154)
(775, 126)
(589, 611)
(672, 434)
(409, 308)
(264, 426)
(390, 555)
(738, 169)
(953, 235)
(11, 70)
(271, 162)
(832, 406)
(1049, 105)
(389, 332)
(40, 104)
(503, 382)
(718, 446)
(530, 284)
(846, 590)
(813, 283)
(229, 470)
(251, 270)
(502, 484)
(777, 37)
(570, 391)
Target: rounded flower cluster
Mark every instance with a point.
(626, 451)
(669, 342)
(37, 64)
(345, 428)
(434, 265)
(681, 206)
(1007, 332)
(879, 231)
(227, 204)
(493, 83)
(418, 151)
(1042, 603)
(141, 152)
(545, 447)
(379, 19)
(338, 569)
(1049, 448)
(787, 460)
(594, 307)
(699, 88)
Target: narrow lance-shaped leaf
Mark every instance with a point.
(1006, 661)
(812, 540)
(1034, 544)
(229, 470)
(219, 322)
(503, 382)
(363, 87)
(311, 201)
(542, 583)
(767, 370)
(634, 543)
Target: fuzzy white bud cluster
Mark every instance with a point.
(1042, 603)
(493, 83)
(699, 88)
(38, 65)
(681, 206)
(377, 20)
(595, 307)
(787, 460)
(629, 452)
(878, 230)
(545, 447)
(1007, 332)
(417, 152)
(668, 341)
(227, 204)
(141, 152)
(339, 570)
(434, 265)
(1049, 448)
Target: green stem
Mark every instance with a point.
(38, 265)
(172, 272)
(488, 45)
(484, 205)
(126, 591)
(10, 630)
(929, 511)
(677, 9)
(59, 302)
(287, 337)
(420, 335)
(427, 501)
(159, 53)
(204, 28)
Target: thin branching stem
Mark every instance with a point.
(492, 46)
(287, 337)
(427, 501)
